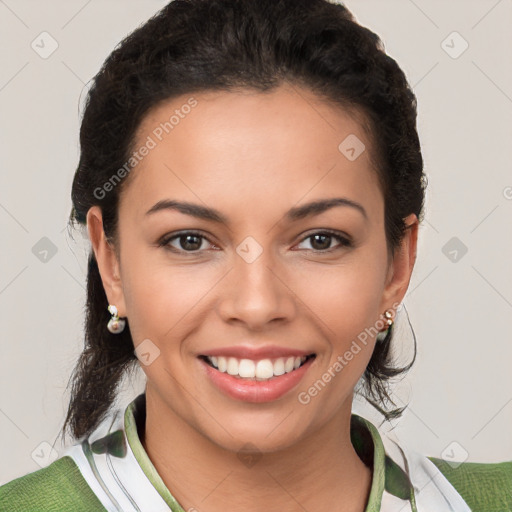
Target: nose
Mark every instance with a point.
(257, 293)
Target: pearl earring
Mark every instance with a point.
(389, 322)
(115, 324)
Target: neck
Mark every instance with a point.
(320, 472)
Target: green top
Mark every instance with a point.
(61, 486)
(484, 487)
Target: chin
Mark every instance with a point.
(260, 431)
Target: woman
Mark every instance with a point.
(251, 181)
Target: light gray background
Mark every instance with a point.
(460, 388)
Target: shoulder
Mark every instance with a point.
(486, 487)
(57, 487)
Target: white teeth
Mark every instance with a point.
(279, 366)
(247, 368)
(263, 369)
(232, 366)
(222, 364)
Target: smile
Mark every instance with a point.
(257, 380)
(263, 369)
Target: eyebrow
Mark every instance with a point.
(294, 214)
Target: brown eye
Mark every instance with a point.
(321, 241)
(184, 242)
(190, 242)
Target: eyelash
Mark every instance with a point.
(344, 241)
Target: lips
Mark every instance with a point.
(256, 374)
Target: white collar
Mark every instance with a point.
(110, 468)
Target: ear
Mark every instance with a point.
(106, 258)
(401, 266)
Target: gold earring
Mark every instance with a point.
(388, 315)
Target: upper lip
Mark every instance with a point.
(256, 353)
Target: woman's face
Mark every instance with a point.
(251, 287)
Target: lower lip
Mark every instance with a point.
(256, 391)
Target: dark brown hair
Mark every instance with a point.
(206, 45)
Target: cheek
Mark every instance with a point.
(344, 302)
(346, 298)
(162, 297)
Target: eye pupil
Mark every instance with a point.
(325, 246)
(190, 245)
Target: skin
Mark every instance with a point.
(253, 156)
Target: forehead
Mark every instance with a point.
(248, 149)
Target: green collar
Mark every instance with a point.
(387, 475)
